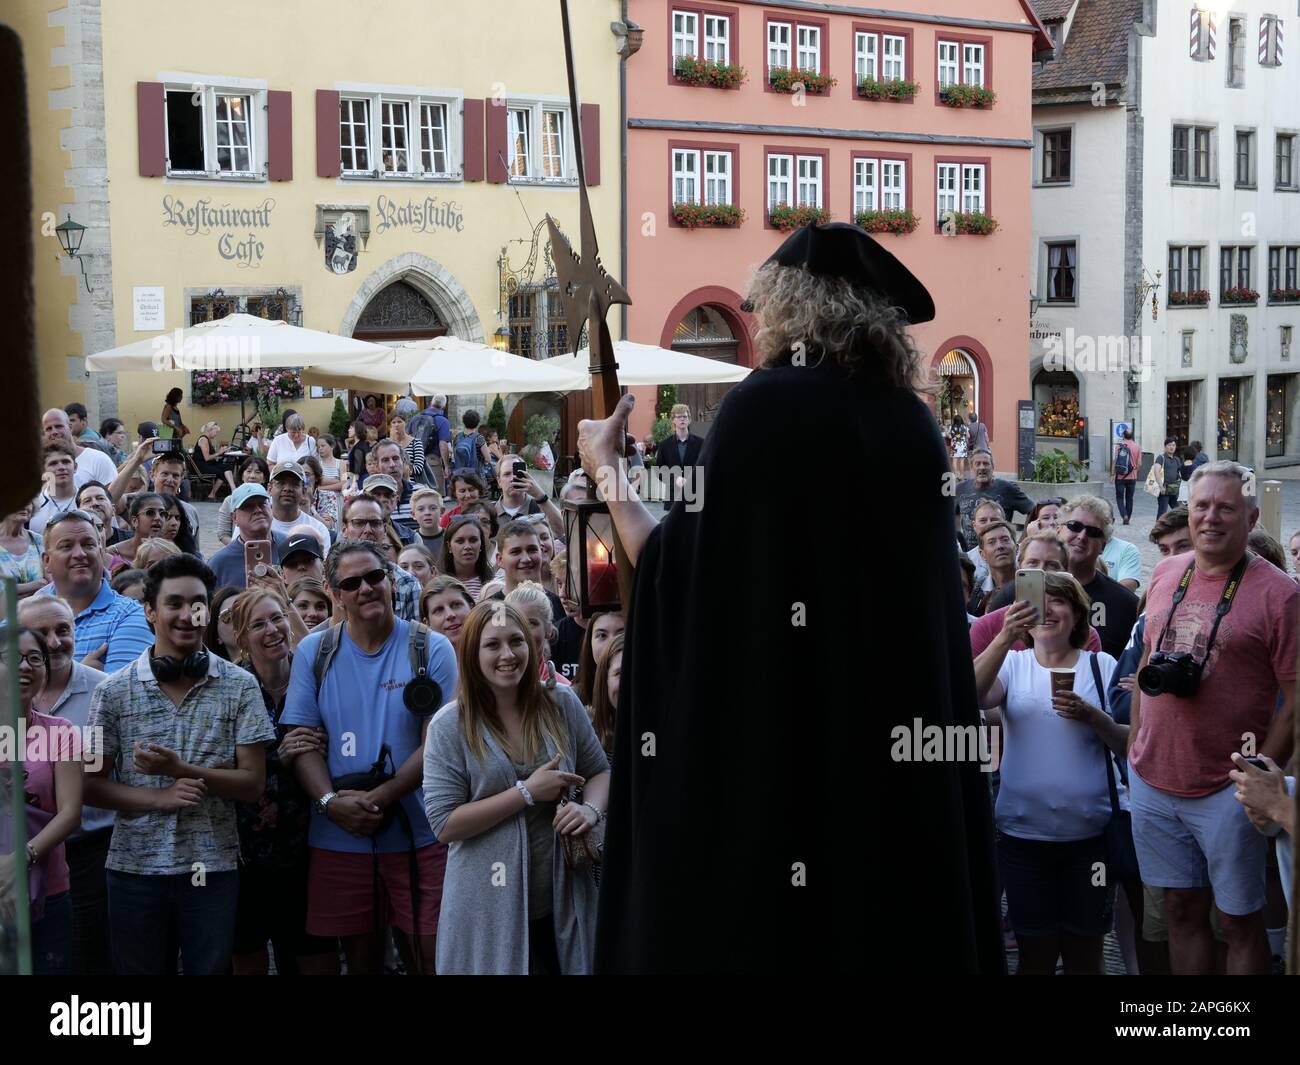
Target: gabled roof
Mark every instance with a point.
(1096, 49)
(1042, 39)
(1050, 9)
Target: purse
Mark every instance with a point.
(1117, 836)
(584, 852)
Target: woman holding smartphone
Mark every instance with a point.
(1054, 799)
(499, 764)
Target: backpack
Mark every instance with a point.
(417, 648)
(465, 456)
(1123, 462)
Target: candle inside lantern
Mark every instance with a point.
(602, 576)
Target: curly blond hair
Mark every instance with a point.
(801, 312)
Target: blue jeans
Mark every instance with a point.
(1165, 502)
(1124, 498)
(148, 913)
(52, 937)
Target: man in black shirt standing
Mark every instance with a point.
(1086, 524)
(679, 454)
(985, 486)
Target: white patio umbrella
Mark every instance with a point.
(448, 365)
(242, 342)
(648, 364)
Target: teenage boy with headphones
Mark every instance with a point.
(185, 734)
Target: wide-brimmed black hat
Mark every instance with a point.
(838, 249)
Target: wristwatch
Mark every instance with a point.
(544, 500)
(324, 801)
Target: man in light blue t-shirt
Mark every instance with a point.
(354, 832)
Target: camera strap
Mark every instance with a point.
(1225, 600)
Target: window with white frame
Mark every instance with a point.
(399, 135)
(972, 188)
(540, 145)
(778, 44)
(948, 66)
(947, 176)
(686, 179)
(717, 38)
(212, 131)
(717, 177)
(879, 185)
(960, 187)
(866, 50)
(972, 64)
(894, 51)
(809, 55)
(809, 186)
(779, 180)
(685, 28)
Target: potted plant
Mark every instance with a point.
(1056, 467)
(893, 89)
(1198, 298)
(784, 79)
(704, 215)
(1239, 294)
(786, 217)
(976, 96)
(972, 223)
(1284, 295)
(692, 71)
(540, 429)
(888, 221)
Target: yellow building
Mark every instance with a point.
(354, 168)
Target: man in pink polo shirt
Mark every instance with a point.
(1236, 619)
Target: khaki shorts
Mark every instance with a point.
(1154, 928)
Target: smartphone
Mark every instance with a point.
(257, 559)
(162, 447)
(1031, 585)
(1258, 763)
(521, 469)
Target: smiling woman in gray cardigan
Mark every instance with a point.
(484, 925)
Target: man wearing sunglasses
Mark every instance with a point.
(110, 628)
(1086, 525)
(358, 701)
(364, 519)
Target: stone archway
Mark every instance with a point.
(433, 281)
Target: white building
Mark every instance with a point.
(1167, 223)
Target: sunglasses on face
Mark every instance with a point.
(374, 579)
(70, 515)
(1055, 501)
(1093, 532)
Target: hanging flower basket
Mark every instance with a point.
(208, 388)
(1199, 298)
(1239, 295)
(702, 216)
(975, 96)
(784, 79)
(1284, 295)
(971, 223)
(888, 221)
(691, 71)
(894, 89)
(785, 217)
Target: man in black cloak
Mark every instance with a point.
(759, 820)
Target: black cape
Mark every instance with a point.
(776, 637)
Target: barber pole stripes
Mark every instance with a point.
(1270, 25)
(1194, 40)
(1202, 33)
(1212, 30)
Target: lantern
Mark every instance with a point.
(591, 572)
(501, 339)
(70, 235)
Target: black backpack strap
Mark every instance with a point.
(418, 648)
(325, 652)
(1105, 751)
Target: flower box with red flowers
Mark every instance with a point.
(691, 71)
(887, 221)
(969, 223)
(705, 215)
(788, 79)
(894, 89)
(1199, 298)
(1284, 295)
(975, 96)
(1239, 295)
(785, 217)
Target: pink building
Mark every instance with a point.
(906, 160)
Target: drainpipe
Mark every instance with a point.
(622, 174)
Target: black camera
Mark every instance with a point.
(1170, 673)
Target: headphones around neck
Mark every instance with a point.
(167, 669)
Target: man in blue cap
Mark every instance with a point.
(250, 511)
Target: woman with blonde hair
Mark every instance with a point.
(604, 695)
(206, 455)
(154, 549)
(499, 764)
(530, 599)
(273, 831)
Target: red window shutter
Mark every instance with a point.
(151, 127)
(497, 171)
(279, 135)
(472, 145)
(589, 117)
(329, 161)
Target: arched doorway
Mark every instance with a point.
(959, 383)
(397, 313)
(705, 332)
